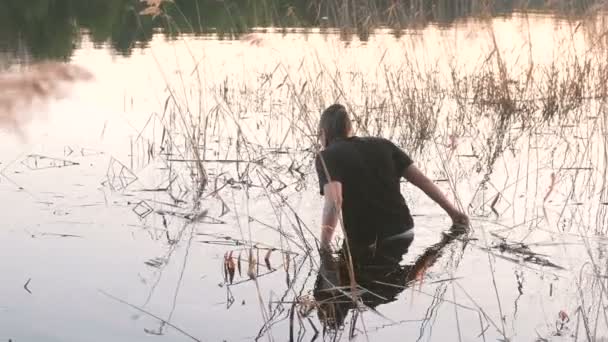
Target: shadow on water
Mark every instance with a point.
(380, 277)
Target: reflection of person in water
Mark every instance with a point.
(380, 277)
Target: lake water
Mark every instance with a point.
(109, 233)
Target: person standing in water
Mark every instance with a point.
(360, 177)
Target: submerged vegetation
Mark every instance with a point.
(500, 129)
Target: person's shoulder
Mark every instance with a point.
(328, 153)
(321, 154)
(321, 158)
(338, 146)
(372, 139)
(378, 141)
(342, 145)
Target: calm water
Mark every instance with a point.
(102, 233)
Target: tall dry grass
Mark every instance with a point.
(495, 108)
(483, 125)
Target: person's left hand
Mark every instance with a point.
(460, 220)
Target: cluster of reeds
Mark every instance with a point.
(501, 128)
(365, 16)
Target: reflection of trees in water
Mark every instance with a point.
(52, 29)
(29, 89)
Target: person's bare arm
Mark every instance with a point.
(331, 212)
(420, 180)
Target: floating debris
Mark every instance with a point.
(199, 216)
(229, 267)
(523, 252)
(239, 265)
(142, 209)
(25, 286)
(39, 162)
(118, 176)
(551, 187)
(61, 235)
(561, 324)
(251, 270)
(267, 259)
(156, 262)
(84, 152)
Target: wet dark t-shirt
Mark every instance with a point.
(369, 170)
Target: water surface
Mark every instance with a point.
(104, 231)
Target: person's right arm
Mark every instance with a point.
(420, 180)
(331, 213)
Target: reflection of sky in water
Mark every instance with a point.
(107, 114)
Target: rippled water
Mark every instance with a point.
(103, 232)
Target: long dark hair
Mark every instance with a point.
(334, 123)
